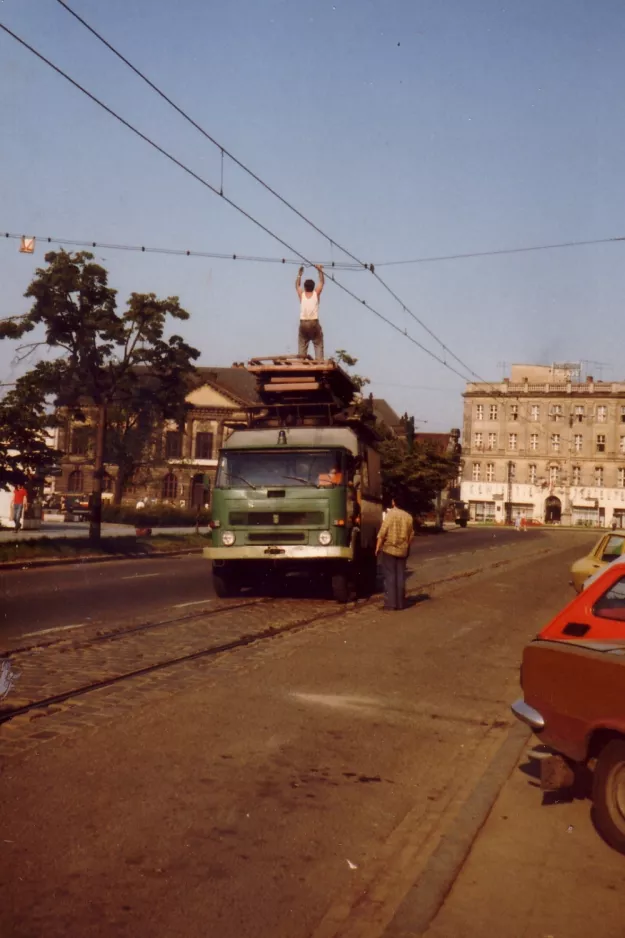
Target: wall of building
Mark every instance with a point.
(545, 449)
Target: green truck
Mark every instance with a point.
(298, 487)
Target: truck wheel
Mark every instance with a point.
(224, 585)
(608, 794)
(343, 588)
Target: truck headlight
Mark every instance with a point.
(227, 538)
(325, 538)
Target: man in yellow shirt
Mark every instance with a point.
(393, 543)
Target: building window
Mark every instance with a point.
(578, 442)
(107, 483)
(621, 445)
(477, 472)
(81, 437)
(579, 413)
(511, 471)
(479, 440)
(170, 486)
(490, 471)
(555, 442)
(534, 441)
(622, 414)
(75, 481)
(554, 475)
(599, 475)
(532, 473)
(514, 412)
(479, 411)
(204, 446)
(602, 414)
(173, 445)
(493, 412)
(556, 412)
(601, 443)
(512, 437)
(621, 478)
(576, 476)
(535, 413)
(492, 441)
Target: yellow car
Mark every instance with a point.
(608, 548)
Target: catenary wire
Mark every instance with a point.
(216, 191)
(176, 252)
(500, 251)
(257, 178)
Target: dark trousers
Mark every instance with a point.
(310, 331)
(394, 569)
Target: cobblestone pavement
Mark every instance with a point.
(75, 661)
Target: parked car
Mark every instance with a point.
(75, 505)
(572, 677)
(608, 548)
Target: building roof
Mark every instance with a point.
(235, 381)
(438, 441)
(385, 413)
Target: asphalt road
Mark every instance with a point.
(297, 788)
(60, 597)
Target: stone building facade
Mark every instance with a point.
(545, 446)
(184, 472)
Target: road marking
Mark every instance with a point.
(57, 628)
(140, 576)
(196, 602)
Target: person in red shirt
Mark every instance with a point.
(20, 499)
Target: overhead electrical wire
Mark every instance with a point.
(175, 252)
(213, 189)
(500, 251)
(258, 179)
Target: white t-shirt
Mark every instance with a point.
(309, 308)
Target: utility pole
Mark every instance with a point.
(509, 501)
(95, 520)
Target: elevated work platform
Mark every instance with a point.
(295, 380)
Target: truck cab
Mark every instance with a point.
(298, 489)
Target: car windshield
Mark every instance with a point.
(285, 468)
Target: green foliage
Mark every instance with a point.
(344, 358)
(24, 455)
(121, 363)
(414, 476)
(154, 516)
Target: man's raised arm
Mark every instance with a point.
(298, 282)
(322, 279)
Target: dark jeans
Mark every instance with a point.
(18, 511)
(394, 569)
(310, 331)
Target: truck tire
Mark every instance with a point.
(608, 794)
(343, 588)
(224, 585)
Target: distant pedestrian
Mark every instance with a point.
(18, 505)
(309, 326)
(393, 543)
(524, 524)
(517, 522)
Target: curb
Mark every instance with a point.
(427, 895)
(66, 561)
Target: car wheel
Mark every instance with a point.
(224, 586)
(343, 588)
(608, 794)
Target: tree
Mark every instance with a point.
(344, 358)
(25, 455)
(110, 362)
(415, 475)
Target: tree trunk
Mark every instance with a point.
(118, 488)
(95, 523)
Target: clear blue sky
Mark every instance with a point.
(404, 128)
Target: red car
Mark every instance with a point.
(573, 681)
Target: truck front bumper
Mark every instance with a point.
(278, 552)
(528, 715)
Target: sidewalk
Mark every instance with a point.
(538, 869)
(62, 529)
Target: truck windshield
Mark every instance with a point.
(254, 469)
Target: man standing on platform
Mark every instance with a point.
(309, 327)
(393, 543)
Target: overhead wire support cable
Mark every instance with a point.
(213, 189)
(500, 251)
(254, 175)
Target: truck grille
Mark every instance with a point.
(269, 518)
(280, 537)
